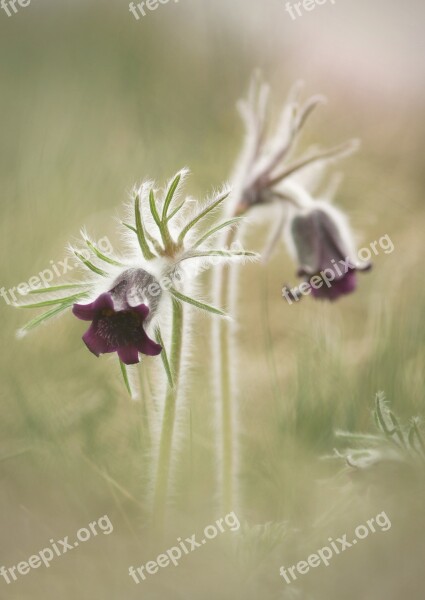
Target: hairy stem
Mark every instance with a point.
(168, 421)
(225, 383)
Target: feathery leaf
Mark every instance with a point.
(209, 208)
(102, 256)
(90, 265)
(214, 230)
(196, 303)
(57, 288)
(53, 301)
(170, 195)
(146, 251)
(47, 315)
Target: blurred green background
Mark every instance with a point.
(93, 101)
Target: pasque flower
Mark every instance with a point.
(320, 240)
(266, 161)
(168, 242)
(118, 319)
(270, 176)
(317, 233)
(126, 296)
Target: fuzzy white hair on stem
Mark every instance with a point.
(266, 173)
(169, 240)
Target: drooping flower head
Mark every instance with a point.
(267, 174)
(126, 296)
(320, 240)
(119, 317)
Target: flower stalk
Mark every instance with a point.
(264, 174)
(224, 377)
(127, 297)
(168, 419)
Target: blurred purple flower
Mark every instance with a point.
(325, 252)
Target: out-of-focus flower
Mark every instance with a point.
(267, 173)
(266, 162)
(320, 240)
(118, 319)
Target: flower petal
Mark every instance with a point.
(142, 310)
(338, 287)
(318, 242)
(333, 245)
(148, 346)
(104, 301)
(95, 343)
(87, 312)
(129, 355)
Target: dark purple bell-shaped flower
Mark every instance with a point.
(118, 317)
(322, 242)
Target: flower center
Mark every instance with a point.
(120, 328)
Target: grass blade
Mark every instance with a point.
(415, 434)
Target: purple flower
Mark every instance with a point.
(116, 325)
(323, 246)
